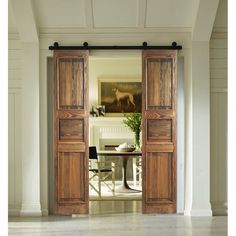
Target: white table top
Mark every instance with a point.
(116, 153)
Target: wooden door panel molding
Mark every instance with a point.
(160, 114)
(159, 95)
(71, 129)
(71, 114)
(70, 83)
(71, 147)
(70, 169)
(164, 147)
(160, 165)
(71, 132)
(159, 131)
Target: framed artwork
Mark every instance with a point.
(120, 95)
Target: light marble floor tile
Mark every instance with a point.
(119, 218)
(106, 194)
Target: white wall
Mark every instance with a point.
(14, 127)
(218, 96)
(218, 114)
(218, 111)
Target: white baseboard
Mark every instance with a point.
(219, 208)
(44, 212)
(13, 212)
(198, 212)
(17, 212)
(31, 209)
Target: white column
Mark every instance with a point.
(198, 162)
(188, 128)
(30, 132)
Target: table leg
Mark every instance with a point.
(124, 188)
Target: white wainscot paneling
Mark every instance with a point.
(218, 63)
(14, 127)
(218, 43)
(219, 153)
(14, 65)
(218, 84)
(218, 76)
(14, 158)
(218, 53)
(219, 73)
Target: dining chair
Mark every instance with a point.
(137, 171)
(101, 172)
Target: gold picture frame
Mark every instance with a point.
(120, 94)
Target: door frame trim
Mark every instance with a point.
(181, 147)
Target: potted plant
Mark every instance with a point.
(133, 121)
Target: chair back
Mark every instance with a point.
(93, 152)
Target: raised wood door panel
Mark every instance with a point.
(160, 165)
(70, 167)
(71, 132)
(159, 83)
(159, 131)
(71, 83)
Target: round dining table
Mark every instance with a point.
(124, 188)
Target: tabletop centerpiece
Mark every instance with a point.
(133, 121)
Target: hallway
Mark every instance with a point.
(120, 224)
(119, 218)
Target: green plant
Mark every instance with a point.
(133, 121)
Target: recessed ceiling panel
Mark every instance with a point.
(115, 13)
(170, 13)
(60, 13)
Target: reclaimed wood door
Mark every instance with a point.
(159, 131)
(71, 132)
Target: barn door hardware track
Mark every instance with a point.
(85, 46)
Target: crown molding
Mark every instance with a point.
(74, 30)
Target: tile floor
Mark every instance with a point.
(119, 218)
(107, 194)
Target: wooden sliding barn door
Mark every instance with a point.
(159, 131)
(71, 132)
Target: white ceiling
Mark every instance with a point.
(59, 13)
(113, 13)
(170, 13)
(117, 15)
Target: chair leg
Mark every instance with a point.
(99, 184)
(140, 177)
(134, 171)
(113, 178)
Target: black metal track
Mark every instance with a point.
(85, 46)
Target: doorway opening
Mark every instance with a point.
(123, 71)
(97, 206)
